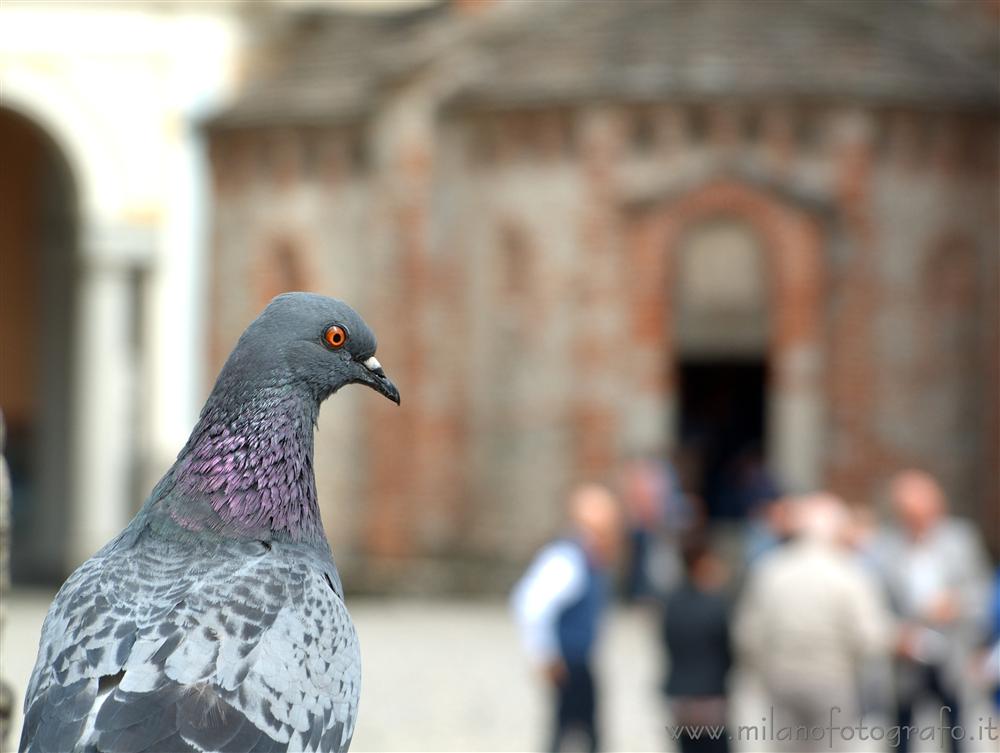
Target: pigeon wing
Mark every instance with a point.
(157, 649)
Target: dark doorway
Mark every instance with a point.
(37, 248)
(722, 434)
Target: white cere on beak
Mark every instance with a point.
(373, 365)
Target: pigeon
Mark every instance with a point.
(216, 621)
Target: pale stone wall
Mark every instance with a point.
(117, 88)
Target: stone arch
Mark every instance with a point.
(282, 266)
(791, 241)
(516, 254)
(82, 138)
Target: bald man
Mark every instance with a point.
(936, 571)
(559, 604)
(809, 619)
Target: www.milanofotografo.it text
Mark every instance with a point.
(986, 729)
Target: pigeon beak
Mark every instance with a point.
(376, 379)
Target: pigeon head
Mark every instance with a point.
(309, 341)
(247, 468)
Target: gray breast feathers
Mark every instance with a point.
(156, 649)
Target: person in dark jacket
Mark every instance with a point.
(695, 631)
(559, 604)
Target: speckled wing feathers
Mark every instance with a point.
(208, 646)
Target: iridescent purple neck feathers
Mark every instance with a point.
(251, 459)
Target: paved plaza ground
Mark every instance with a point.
(449, 676)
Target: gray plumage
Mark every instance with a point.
(216, 620)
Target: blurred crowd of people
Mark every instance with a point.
(837, 619)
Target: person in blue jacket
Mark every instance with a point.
(559, 604)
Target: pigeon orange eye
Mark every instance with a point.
(335, 336)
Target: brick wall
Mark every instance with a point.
(519, 269)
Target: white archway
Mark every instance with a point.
(791, 240)
(105, 255)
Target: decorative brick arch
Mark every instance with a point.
(791, 242)
(282, 266)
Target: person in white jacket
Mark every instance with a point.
(559, 605)
(936, 571)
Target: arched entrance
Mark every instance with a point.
(38, 241)
(725, 307)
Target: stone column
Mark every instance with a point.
(796, 417)
(854, 460)
(105, 427)
(796, 405)
(595, 349)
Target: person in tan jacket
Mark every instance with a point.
(809, 616)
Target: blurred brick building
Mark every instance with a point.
(584, 230)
